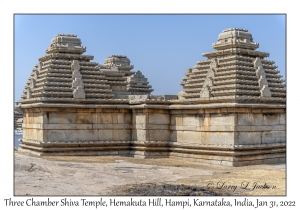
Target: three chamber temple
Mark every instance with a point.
(231, 111)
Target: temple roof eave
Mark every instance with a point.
(236, 51)
(66, 56)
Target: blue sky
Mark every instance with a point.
(161, 46)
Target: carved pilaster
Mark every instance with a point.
(209, 80)
(35, 75)
(40, 67)
(32, 83)
(265, 92)
(77, 84)
(205, 92)
(262, 79)
(29, 93)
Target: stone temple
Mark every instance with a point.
(231, 111)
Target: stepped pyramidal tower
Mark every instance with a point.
(231, 111)
(65, 75)
(122, 80)
(236, 72)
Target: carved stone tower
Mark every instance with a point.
(236, 72)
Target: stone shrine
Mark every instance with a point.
(231, 111)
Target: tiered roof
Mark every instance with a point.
(123, 81)
(65, 75)
(236, 72)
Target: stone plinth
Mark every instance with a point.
(233, 135)
(75, 130)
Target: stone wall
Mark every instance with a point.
(80, 131)
(229, 136)
(233, 136)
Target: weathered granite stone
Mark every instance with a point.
(122, 81)
(229, 73)
(205, 92)
(231, 110)
(79, 92)
(265, 91)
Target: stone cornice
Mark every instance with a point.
(155, 106)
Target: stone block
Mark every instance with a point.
(115, 135)
(60, 118)
(216, 128)
(89, 110)
(67, 109)
(37, 126)
(155, 127)
(140, 126)
(57, 126)
(236, 110)
(159, 135)
(270, 137)
(105, 135)
(176, 127)
(217, 138)
(175, 112)
(33, 134)
(118, 118)
(245, 138)
(29, 118)
(81, 135)
(159, 119)
(90, 135)
(44, 135)
(173, 136)
(189, 128)
(140, 119)
(105, 118)
(256, 110)
(282, 119)
(258, 119)
(222, 119)
(84, 118)
(270, 119)
(245, 119)
(176, 120)
(188, 111)
(83, 126)
(124, 135)
(108, 110)
(37, 110)
(272, 110)
(25, 135)
(212, 111)
(260, 128)
(49, 109)
(139, 135)
(158, 111)
(206, 120)
(223, 110)
(188, 137)
(57, 135)
(121, 126)
(195, 120)
(103, 126)
(128, 118)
